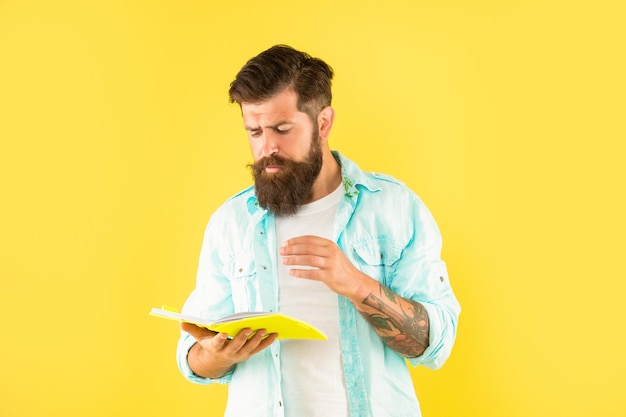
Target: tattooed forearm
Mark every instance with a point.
(402, 324)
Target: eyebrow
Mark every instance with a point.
(273, 126)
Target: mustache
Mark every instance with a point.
(272, 160)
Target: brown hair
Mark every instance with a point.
(282, 67)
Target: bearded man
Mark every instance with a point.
(353, 253)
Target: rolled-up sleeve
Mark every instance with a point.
(422, 276)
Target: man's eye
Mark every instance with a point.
(255, 133)
(282, 131)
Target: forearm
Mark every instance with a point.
(402, 324)
(203, 364)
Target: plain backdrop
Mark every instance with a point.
(117, 142)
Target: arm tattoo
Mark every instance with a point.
(402, 324)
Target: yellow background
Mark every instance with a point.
(117, 142)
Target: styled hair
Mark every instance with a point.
(282, 67)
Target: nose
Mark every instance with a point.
(270, 144)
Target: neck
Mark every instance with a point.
(328, 179)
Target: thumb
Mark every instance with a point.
(197, 332)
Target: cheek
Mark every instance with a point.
(298, 148)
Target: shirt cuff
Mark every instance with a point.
(438, 348)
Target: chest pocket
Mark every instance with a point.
(377, 258)
(241, 271)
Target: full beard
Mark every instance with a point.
(285, 191)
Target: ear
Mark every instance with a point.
(325, 122)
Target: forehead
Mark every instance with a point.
(281, 107)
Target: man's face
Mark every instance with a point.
(287, 153)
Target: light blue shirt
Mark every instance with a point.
(388, 233)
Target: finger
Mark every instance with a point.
(265, 342)
(312, 274)
(218, 342)
(253, 341)
(306, 239)
(304, 245)
(305, 260)
(239, 340)
(258, 341)
(305, 249)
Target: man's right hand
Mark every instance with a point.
(215, 354)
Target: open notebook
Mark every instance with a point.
(286, 327)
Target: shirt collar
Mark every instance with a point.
(353, 176)
(353, 179)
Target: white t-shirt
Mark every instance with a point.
(312, 372)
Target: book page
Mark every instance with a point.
(286, 327)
